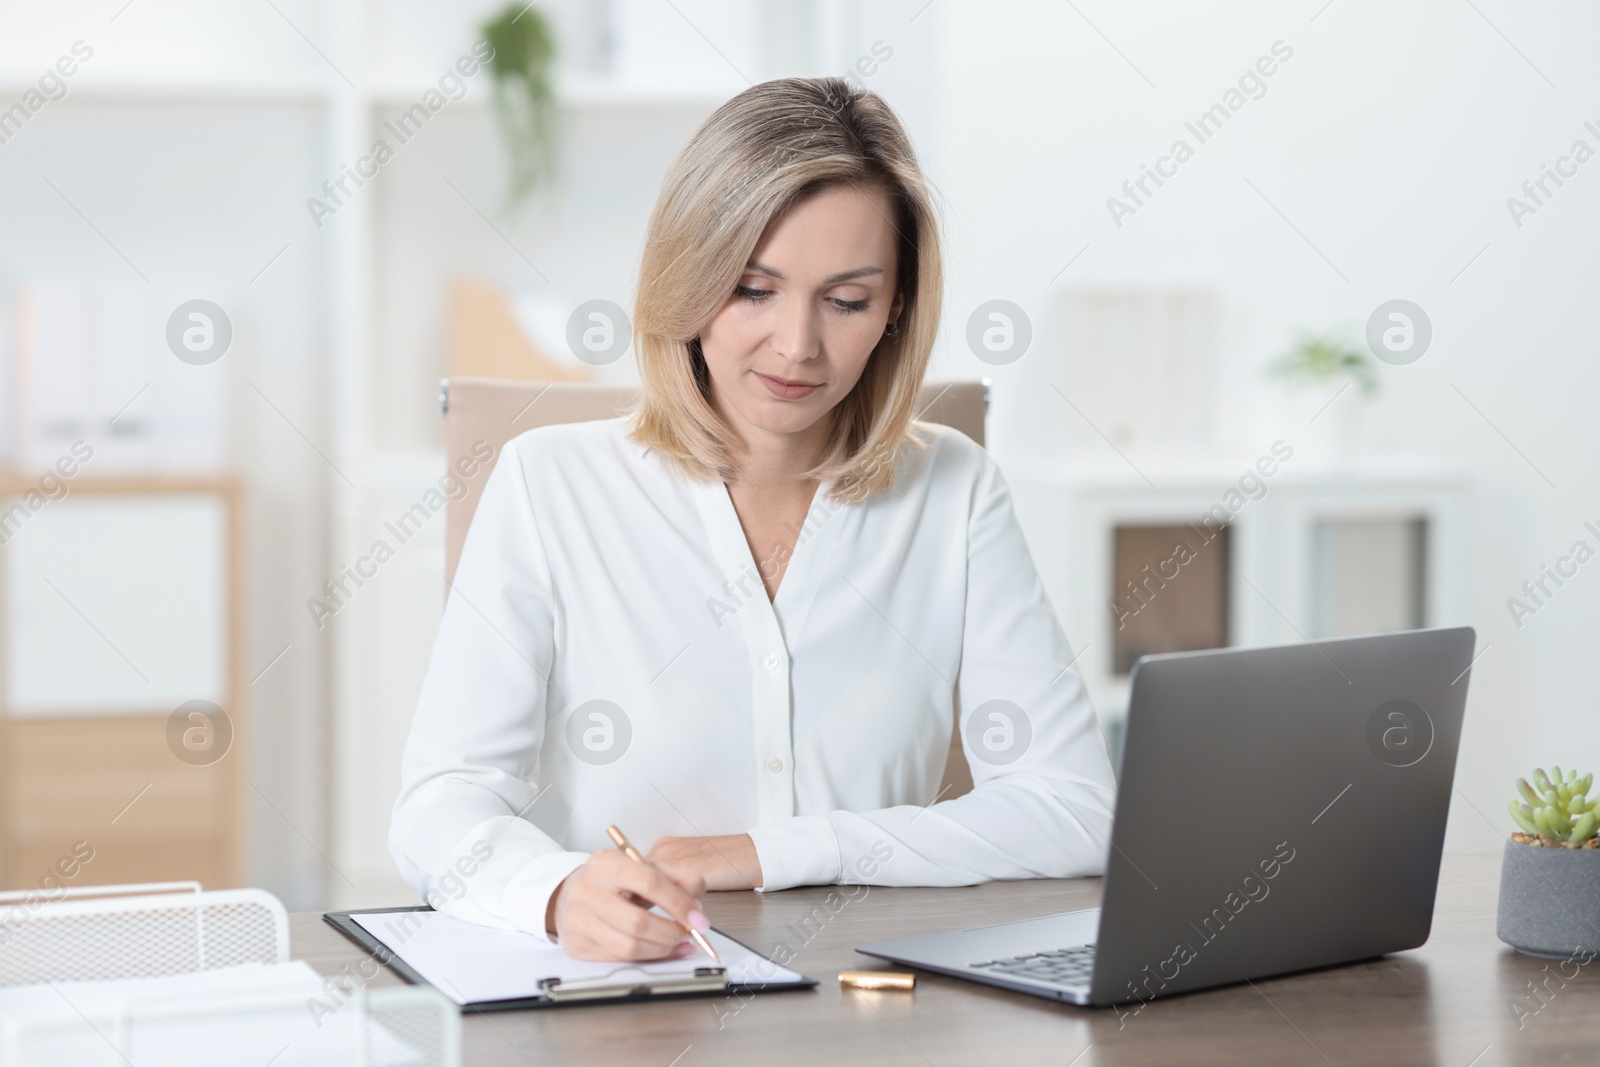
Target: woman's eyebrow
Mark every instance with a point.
(859, 272)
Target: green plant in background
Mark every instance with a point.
(1557, 809)
(1324, 360)
(522, 66)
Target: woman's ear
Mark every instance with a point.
(897, 306)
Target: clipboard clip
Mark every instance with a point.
(634, 983)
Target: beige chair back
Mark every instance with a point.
(493, 411)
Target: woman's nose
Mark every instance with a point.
(794, 335)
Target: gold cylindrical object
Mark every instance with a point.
(877, 980)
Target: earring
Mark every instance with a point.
(891, 330)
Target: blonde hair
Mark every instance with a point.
(758, 155)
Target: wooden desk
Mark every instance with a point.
(1445, 1003)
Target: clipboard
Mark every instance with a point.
(558, 992)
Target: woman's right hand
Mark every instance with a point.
(601, 910)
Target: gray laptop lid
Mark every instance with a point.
(1279, 809)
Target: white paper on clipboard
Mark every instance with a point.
(472, 964)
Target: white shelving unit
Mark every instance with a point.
(1271, 582)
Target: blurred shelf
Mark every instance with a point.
(82, 743)
(15, 481)
(595, 93)
(1205, 472)
(586, 93)
(138, 88)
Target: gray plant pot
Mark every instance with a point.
(1549, 900)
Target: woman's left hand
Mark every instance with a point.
(728, 861)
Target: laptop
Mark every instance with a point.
(1279, 809)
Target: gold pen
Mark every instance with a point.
(622, 842)
(877, 980)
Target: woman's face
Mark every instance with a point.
(812, 302)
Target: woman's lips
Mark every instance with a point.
(779, 388)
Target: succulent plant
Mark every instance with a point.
(1557, 809)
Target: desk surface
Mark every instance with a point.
(1445, 1003)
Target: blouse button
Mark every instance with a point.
(772, 663)
(774, 764)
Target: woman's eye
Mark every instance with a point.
(747, 292)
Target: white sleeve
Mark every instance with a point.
(457, 832)
(1043, 790)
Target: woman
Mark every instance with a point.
(734, 621)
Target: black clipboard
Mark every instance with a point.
(342, 921)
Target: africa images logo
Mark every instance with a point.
(1399, 733)
(1253, 889)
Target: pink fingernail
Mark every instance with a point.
(684, 950)
(698, 920)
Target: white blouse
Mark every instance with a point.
(608, 654)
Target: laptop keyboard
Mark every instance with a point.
(1063, 966)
